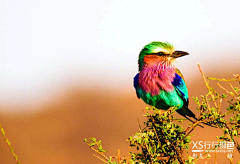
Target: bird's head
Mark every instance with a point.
(159, 51)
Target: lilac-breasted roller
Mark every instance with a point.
(159, 83)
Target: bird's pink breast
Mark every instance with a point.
(157, 76)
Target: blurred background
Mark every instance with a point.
(66, 69)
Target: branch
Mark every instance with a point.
(9, 145)
(207, 85)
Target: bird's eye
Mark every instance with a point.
(160, 53)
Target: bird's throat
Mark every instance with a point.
(156, 75)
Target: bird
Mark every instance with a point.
(158, 82)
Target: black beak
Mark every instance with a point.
(178, 54)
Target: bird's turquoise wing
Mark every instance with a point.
(181, 88)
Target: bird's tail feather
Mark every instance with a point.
(192, 120)
(186, 112)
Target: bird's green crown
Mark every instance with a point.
(153, 47)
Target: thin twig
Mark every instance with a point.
(230, 159)
(230, 93)
(194, 125)
(119, 157)
(228, 101)
(9, 145)
(207, 85)
(98, 152)
(234, 90)
(222, 79)
(99, 158)
(219, 105)
(237, 77)
(213, 148)
(235, 142)
(128, 154)
(206, 102)
(157, 136)
(140, 129)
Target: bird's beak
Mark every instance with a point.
(178, 54)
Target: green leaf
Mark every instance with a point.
(223, 96)
(92, 144)
(93, 139)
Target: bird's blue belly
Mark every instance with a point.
(164, 100)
